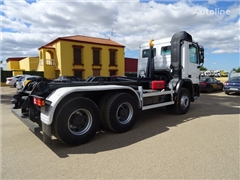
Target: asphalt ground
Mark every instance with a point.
(202, 144)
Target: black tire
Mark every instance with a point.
(226, 92)
(77, 121)
(183, 102)
(221, 88)
(120, 112)
(102, 106)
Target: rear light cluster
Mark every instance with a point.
(38, 101)
(9, 79)
(229, 84)
(203, 83)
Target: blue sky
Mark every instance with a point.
(213, 61)
(27, 25)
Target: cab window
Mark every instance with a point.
(166, 50)
(193, 54)
(145, 52)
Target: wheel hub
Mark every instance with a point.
(124, 113)
(79, 122)
(184, 101)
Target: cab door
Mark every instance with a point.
(190, 62)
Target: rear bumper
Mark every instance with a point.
(31, 125)
(34, 127)
(231, 89)
(9, 83)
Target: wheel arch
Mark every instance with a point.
(62, 95)
(186, 83)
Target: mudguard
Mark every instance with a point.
(55, 98)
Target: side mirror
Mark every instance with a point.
(201, 54)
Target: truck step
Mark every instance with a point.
(157, 105)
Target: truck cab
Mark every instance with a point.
(191, 59)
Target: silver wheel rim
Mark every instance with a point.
(184, 101)
(124, 113)
(80, 121)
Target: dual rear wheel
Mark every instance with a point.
(78, 119)
(118, 112)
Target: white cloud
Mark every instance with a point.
(33, 25)
(212, 1)
(233, 11)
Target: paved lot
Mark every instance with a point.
(203, 144)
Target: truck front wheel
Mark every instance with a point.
(77, 121)
(183, 102)
(120, 112)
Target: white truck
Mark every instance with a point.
(74, 112)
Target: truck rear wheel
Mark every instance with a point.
(120, 112)
(102, 107)
(183, 102)
(77, 121)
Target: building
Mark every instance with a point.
(13, 63)
(131, 65)
(20, 64)
(81, 56)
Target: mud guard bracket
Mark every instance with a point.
(47, 133)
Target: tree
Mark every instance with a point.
(236, 70)
(203, 68)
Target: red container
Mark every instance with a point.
(157, 85)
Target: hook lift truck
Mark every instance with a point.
(74, 112)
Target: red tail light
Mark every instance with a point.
(203, 83)
(38, 101)
(9, 79)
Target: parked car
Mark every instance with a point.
(232, 85)
(67, 79)
(21, 83)
(210, 84)
(20, 79)
(11, 81)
